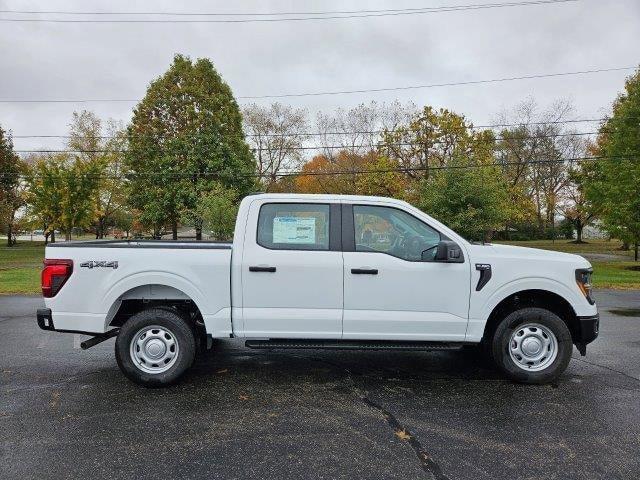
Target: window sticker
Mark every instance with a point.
(294, 230)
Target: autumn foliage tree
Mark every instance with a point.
(469, 194)
(351, 173)
(60, 193)
(103, 146)
(612, 183)
(186, 135)
(276, 134)
(11, 170)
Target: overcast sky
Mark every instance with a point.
(102, 61)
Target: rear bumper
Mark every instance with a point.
(45, 322)
(588, 329)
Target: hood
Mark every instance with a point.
(525, 253)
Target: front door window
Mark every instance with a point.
(394, 232)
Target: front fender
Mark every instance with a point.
(573, 296)
(481, 307)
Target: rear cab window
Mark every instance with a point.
(294, 226)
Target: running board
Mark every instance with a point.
(350, 345)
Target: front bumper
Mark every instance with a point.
(587, 332)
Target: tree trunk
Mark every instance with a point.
(198, 233)
(635, 251)
(53, 236)
(101, 228)
(67, 235)
(579, 228)
(174, 229)
(9, 235)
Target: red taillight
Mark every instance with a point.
(54, 275)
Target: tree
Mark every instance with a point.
(218, 209)
(577, 210)
(612, 182)
(185, 135)
(432, 138)
(276, 134)
(11, 196)
(536, 156)
(106, 153)
(336, 174)
(469, 194)
(381, 177)
(358, 130)
(60, 190)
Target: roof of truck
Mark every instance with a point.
(325, 196)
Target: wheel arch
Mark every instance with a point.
(534, 297)
(135, 292)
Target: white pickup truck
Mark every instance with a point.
(322, 271)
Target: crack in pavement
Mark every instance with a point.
(607, 368)
(427, 463)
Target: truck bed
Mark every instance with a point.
(108, 272)
(143, 244)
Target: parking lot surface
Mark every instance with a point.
(241, 413)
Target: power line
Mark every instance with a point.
(316, 16)
(368, 132)
(346, 172)
(255, 14)
(435, 85)
(317, 147)
(314, 134)
(345, 92)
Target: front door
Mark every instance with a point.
(292, 271)
(393, 288)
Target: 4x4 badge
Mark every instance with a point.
(99, 263)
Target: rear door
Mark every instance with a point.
(392, 287)
(292, 270)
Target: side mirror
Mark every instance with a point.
(449, 252)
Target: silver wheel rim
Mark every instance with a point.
(533, 347)
(154, 349)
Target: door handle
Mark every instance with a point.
(364, 271)
(262, 269)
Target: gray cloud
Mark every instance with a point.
(119, 60)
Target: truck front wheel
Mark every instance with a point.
(532, 345)
(155, 347)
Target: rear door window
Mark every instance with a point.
(294, 226)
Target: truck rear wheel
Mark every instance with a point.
(155, 347)
(532, 345)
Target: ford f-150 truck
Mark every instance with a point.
(322, 271)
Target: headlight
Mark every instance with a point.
(583, 279)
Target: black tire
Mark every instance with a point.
(176, 325)
(510, 324)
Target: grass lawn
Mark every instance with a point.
(20, 280)
(591, 246)
(612, 267)
(621, 275)
(20, 268)
(20, 265)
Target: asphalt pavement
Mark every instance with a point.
(246, 414)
